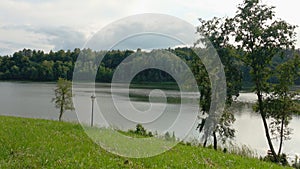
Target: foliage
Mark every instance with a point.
(63, 96)
(281, 105)
(215, 31)
(35, 65)
(140, 131)
(258, 37)
(282, 159)
(224, 128)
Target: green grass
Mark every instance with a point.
(34, 143)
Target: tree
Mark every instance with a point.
(216, 32)
(280, 104)
(260, 37)
(63, 96)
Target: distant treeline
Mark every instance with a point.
(32, 65)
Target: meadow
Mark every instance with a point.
(36, 143)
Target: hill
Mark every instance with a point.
(36, 143)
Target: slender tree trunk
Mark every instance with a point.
(215, 141)
(281, 135)
(263, 116)
(60, 113)
(205, 142)
(200, 127)
(62, 105)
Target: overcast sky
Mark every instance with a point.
(67, 24)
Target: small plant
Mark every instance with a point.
(241, 150)
(150, 134)
(296, 164)
(282, 159)
(141, 131)
(168, 136)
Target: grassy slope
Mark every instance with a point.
(31, 143)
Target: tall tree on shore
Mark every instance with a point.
(260, 36)
(63, 96)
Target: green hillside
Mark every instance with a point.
(34, 143)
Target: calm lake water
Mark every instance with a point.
(34, 100)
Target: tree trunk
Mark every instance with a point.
(62, 105)
(215, 141)
(281, 135)
(61, 112)
(263, 116)
(205, 142)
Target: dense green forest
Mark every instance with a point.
(36, 65)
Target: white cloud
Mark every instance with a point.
(13, 39)
(54, 24)
(159, 31)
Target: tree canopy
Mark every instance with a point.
(36, 65)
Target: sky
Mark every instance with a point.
(68, 24)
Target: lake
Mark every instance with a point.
(33, 100)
